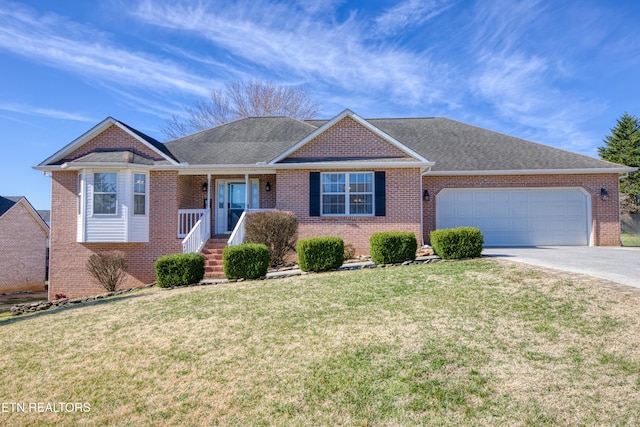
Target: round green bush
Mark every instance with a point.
(320, 253)
(457, 243)
(245, 261)
(179, 270)
(391, 247)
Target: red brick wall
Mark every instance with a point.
(605, 214)
(22, 251)
(67, 273)
(402, 208)
(113, 138)
(349, 139)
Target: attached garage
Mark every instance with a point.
(519, 216)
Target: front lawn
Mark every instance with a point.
(475, 342)
(630, 239)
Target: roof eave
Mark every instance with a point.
(535, 171)
(348, 165)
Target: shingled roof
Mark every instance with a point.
(7, 203)
(452, 145)
(456, 146)
(246, 141)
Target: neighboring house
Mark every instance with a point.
(116, 188)
(23, 246)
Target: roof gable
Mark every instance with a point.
(129, 137)
(10, 203)
(337, 140)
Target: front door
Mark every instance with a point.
(235, 203)
(231, 197)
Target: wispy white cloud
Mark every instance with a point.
(409, 13)
(45, 112)
(57, 42)
(287, 41)
(521, 79)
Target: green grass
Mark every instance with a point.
(474, 342)
(630, 239)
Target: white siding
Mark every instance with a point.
(138, 227)
(518, 217)
(121, 227)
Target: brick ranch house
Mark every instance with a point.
(117, 188)
(23, 246)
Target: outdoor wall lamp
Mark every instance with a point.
(267, 187)
(604, 194)
(205, 186)
(425, 195)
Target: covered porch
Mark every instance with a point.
(214, 204)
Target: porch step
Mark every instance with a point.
(212, 253)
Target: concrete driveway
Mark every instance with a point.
(618, 264)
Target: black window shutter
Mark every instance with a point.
(380, 196)
(314, 193)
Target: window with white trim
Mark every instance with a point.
(139, 194)
(349, 193)
(105, 193)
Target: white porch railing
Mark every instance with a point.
(237, 236)
(199, 233)
(187, 219)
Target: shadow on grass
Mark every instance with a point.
(96, 303)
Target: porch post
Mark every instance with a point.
(209, 191)
(247, 189)
(208, 225)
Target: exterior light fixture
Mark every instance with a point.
(604, 194)
(205, 186)
(267, 187)
(425, 195)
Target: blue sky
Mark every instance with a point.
(555, 72)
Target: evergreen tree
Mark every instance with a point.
(623, 147)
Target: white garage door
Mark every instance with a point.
(518, 216)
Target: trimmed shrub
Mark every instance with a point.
(457, 243)
(108, 268)
(320, 253)
(179, 270)
(390, 247)
(245, 261)
(278, 230)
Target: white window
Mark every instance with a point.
(139, 194)
(347, 193)
(105, 193)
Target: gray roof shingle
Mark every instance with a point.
(456, 146)
(245, 141)
(452, 145)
